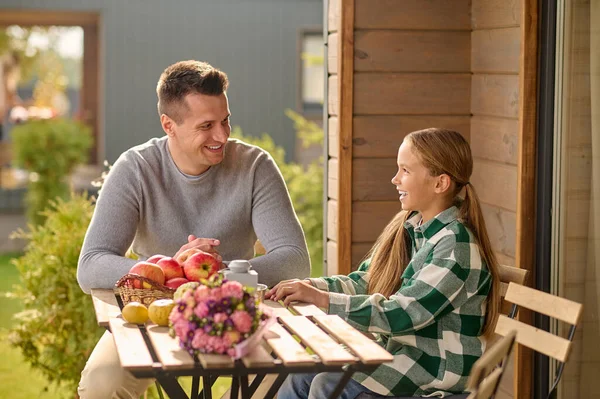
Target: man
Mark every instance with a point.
(194, 186)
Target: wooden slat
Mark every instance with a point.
(332, 262)
(542, 302)
(333, 20)
(90, 83)
(359, 250)
(216, 361)
(322, 344)
(371, 217)
(332, 178)
(278, 309)
(411, 93)
(491, 359)
(412, 51)
(371, 179)
(332, 53)
(346, 96)
(495, 139)
(259, 357)
(413, 14)
(287, 348)
(534, 338)
(496, 183)
(332, 132)
(510, 274)
(488, 386)
(495, 13)
(105, 306)
(381, 136)
(333, 95)
(332, 220)
(167, 349)
(367, 350)
(306, 309)
(501, 226)
(495, 50)
(526, 194)
(495, 95)
(132, 350)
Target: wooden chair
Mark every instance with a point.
(510, 274)
(488, 370)
(538, 340)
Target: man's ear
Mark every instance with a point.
(167, 124)
(443, 183)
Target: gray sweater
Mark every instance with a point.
(148, 203)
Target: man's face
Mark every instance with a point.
(199, 140)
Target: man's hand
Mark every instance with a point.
(204, 244)
(298, 290)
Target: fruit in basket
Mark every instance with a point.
(159, 311)
(148, 270)
(182, 257)
(155, 258)
(192, 285)
(176, 282)
(170, 267)
(135, 312)
(200, 265)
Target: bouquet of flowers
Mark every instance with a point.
(219, 316)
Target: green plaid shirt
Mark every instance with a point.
(433, 324)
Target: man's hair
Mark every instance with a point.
(183, 78)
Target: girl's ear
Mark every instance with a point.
(443, 183)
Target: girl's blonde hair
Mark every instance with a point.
(441, 152)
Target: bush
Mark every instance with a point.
(304, 184)
(49, 150)
(57, 329)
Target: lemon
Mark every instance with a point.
(160, 310)
(135, 312)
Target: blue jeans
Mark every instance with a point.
(318, 386)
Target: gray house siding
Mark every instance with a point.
(254, 41)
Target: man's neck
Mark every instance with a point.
(183, 163)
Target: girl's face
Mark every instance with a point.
(417, 188)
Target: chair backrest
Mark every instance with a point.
(510, 274)
(541, 341)
(488, 370)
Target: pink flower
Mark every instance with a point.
(175, 315)
(220, 317)
(232, 289)
(216, 294)
(200, 339)
(201, 310)
(218, 344)
(232, 337)
(201, 293)
(242, 321)
(182, 328)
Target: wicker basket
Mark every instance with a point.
(143, 295)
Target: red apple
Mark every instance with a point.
(170, 267)
(176, 282)
(182, 257)
(148, 270)
(155, 258)
(200, 265)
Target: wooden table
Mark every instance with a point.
(148, 351)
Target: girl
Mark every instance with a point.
(429, 288)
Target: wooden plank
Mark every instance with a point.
(495, 50)
(259, 357)
(501, 226)
(495, 13)
(168, 350)
(542, 302)
(333, 95)
(371, 179)
(332, 220)
(381, 136)
(496, 183)
(346, 90)
(287, 348)
(329, 351)
(90, 83)
(371, 217)
(131, 348)
(495, 95)
(333, 15)
(216, 361)
(413, 14)
(534, 338)
(332, 53)
(526, 177)
(332, 262)
(512, 274)
(278, 309)
(490, 360)
(411, 93)
(332, 178)
(47, 17)
(495, 139)
(367, 350)
(412, 51)
(306, 309)
(359, 250)
(332, 132)
(105, 306)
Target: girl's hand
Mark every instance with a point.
(298, 290)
